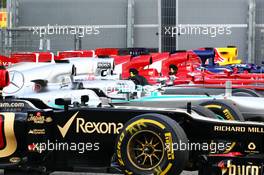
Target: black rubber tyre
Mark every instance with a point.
(245, 93)
(152, 135)
(201, 110)
(226, 110)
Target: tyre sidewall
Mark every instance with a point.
(171, 162)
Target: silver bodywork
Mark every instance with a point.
(250, 107)
(22, 74)
(66, 80)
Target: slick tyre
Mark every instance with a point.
(201, 110)
(225, 110)
(245, 93)
(146, 146)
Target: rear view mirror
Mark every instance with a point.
(84, 99)
(64, 102)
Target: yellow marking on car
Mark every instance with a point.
(11, 142)
(158, 170)
(128, 172)
(230, 148)
(167, 169)
(170, 151)
(228, 115)
(119, 143)
(213, 106)
(142, 123)
(66, 127)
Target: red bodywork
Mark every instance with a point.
(106, 51)
(4, 78)
(42, 56)
(6, 61)
(72, 54)
(187, 63)
(32, 57)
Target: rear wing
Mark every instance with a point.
(125, 51)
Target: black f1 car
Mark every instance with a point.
(35, 139)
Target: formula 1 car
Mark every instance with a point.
(227, 56)
(208, 58)
(36, 139)
(23, 74)
(228, 107)
(190, 71)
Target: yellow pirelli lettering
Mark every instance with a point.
(135, 126)
(167, 169)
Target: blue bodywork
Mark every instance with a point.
(207, 58)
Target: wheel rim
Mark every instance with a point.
(145, 150)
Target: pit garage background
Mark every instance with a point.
(135, 23)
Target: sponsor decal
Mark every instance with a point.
(97, 127)
(238, 129)
(158, 169)
(232, 169)
(88, 127)
(228, 114)
(251, 146)
(31, 147)
(6, 64)
(11, 105)
(39, 119)
(119, 152)
(37, 131)
(136, 126)
(64, 130)
(170, 151)
(11, 142)
(102, 65)
(15, 159)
